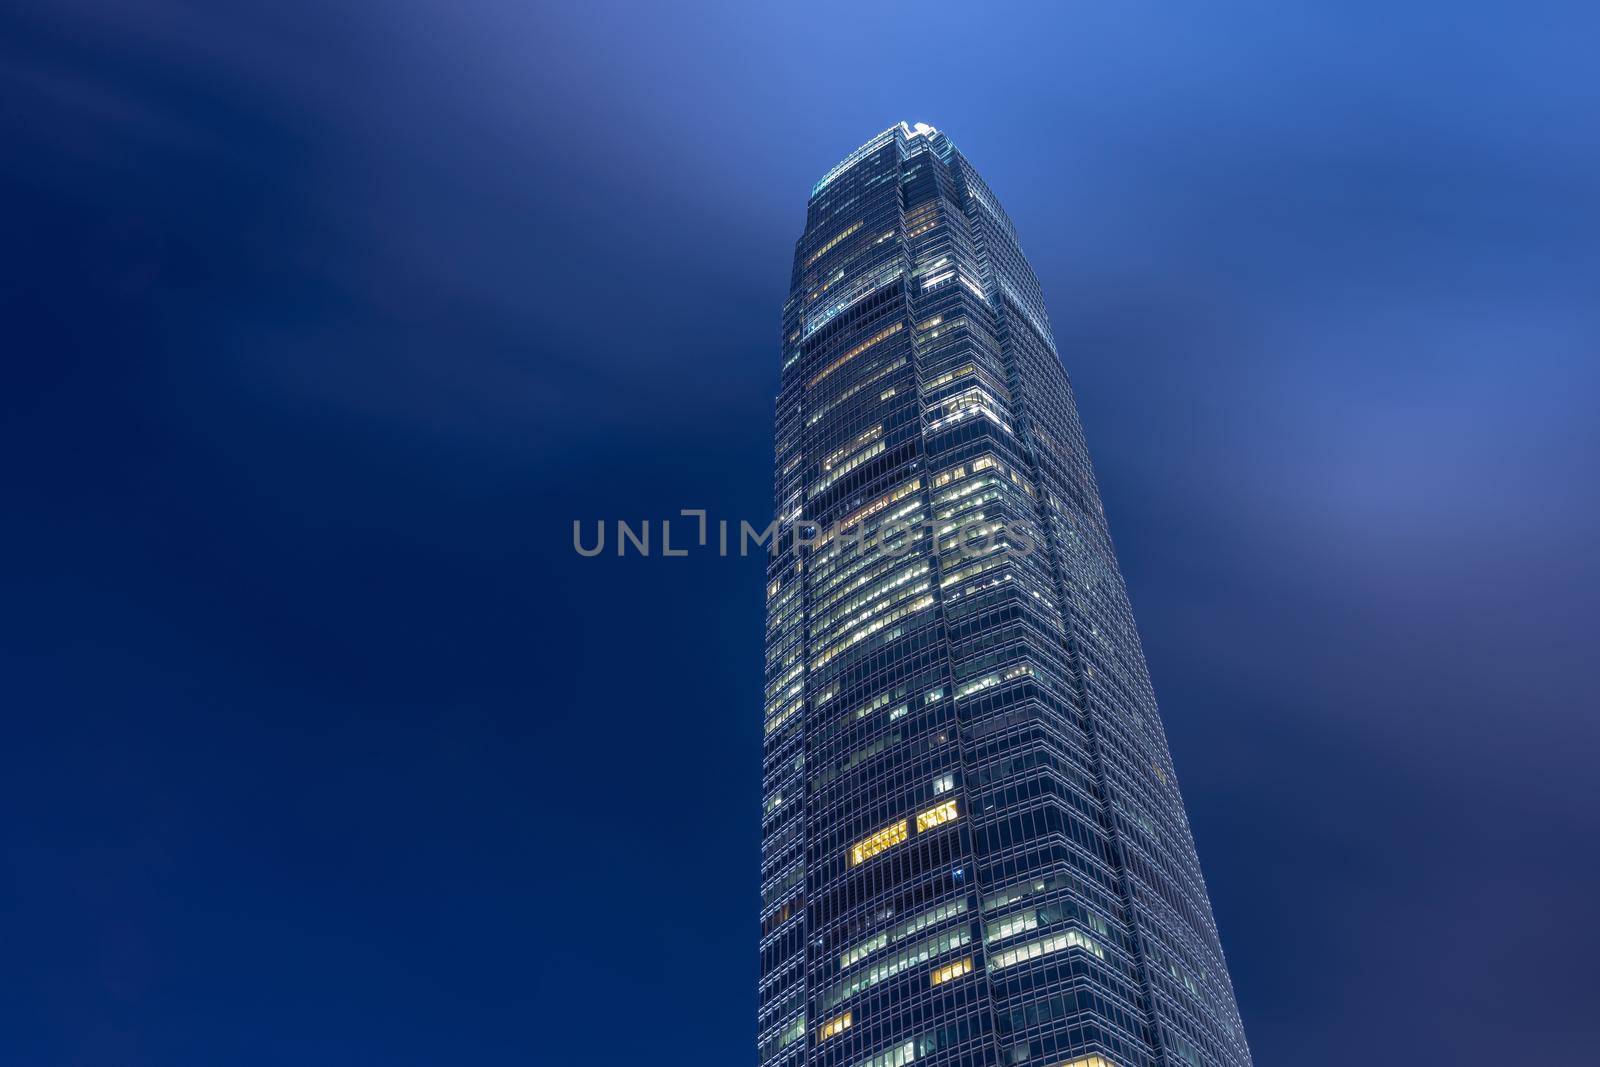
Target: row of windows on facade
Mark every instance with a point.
(885, 740)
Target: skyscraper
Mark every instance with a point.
(973, 846)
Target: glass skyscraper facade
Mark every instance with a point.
(973, 846)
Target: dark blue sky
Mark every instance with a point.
(323, 321)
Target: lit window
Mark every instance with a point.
(936, 816)
(849, 465)
(920, 604)
(888, 331)
(1087, 1061)
(1017, 923)
(829, 247)
(909, 928)
(888, 837)
(950, 970)
(863, 513)
(898, 1056)
(921, 952)
(944, 784)
(1044, 947)
(861, 441)
(837, 1025)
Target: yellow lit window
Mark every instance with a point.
(825, 249)
(888, 837)
(844, 644)
(836, 1025)
(849, 465)
(861, 440)
(950, 970)
(887, 369)
(1087, 1061)
(888, 331)
(936, 816)
(869, 510)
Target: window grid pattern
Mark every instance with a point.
(973, 846)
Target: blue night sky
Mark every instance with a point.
(323, 322)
